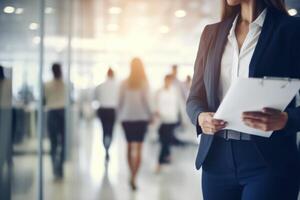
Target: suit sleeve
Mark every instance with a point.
(197, 101)
(293, 124)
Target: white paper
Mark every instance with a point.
(253, 94)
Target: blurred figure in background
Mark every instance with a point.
(55, 104)
(179, 87)
(5, 134)
(169, 106)
(107, 95)
(177, 83)
(135, 114)
(187, 86)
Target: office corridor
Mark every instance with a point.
(87, 178)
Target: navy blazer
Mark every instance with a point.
(277, 54)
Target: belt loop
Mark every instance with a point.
(240, 135)
(226, 135)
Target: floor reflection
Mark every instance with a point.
(87, 178)
(106, 192)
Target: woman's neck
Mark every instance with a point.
(250, 10)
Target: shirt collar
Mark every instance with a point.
(258, 21)
(261, 18)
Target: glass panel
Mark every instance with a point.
(19, 22)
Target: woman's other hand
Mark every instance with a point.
(210, 125)
(268, 119)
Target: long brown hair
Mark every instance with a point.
(229, 11)
(137, 77)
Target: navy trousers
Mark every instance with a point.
(166, 131)
(56, 131)
(108, 118)
(235, 170)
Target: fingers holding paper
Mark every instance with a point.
(268, 119)
(210, 125)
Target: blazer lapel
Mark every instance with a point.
(264, 38)
(215, 57)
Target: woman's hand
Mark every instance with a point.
(210, 125)
(268, 119)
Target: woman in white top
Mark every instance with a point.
(135, 113)
(107, 95)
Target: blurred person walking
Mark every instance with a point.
(179, 86)
(177, 83)
(187, 86)
(107, 95)
(135, 114)
(169, 106)
(55, 104)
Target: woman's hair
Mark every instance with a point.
(229, 11)
(137, 77)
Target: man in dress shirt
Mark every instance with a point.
(169, 106)
(107, 94)
(55, 104)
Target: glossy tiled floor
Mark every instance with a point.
(87, 178)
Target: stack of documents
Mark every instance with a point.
(254, 94)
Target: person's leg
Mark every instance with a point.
(61, 141)
(168, 138)
(109, 128)
(103, 118)
(52, 133)
(270, 187)
(219, 180)
(107, 119)
(162, 153)
(129, 157)
(220, 187)
(136, 162)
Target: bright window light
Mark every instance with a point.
(49, 10)
(112, 27)
(19, 11)
(115, 10)
(9, 9)
(33, 26)
(164, 29)
(180, 13)
(292, 12)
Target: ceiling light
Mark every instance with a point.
(33, 26)
(180, 13)
(164, 29)
(115, 10)
(49, 10)
(19, 11)
(9, 9)
(112, 27)
(292, 12)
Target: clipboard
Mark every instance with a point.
(253, 94)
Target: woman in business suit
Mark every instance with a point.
(255, 38)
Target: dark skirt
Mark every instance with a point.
(135, 130)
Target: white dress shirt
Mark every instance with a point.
(107, 94)
(169, 104)
(236, 63)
